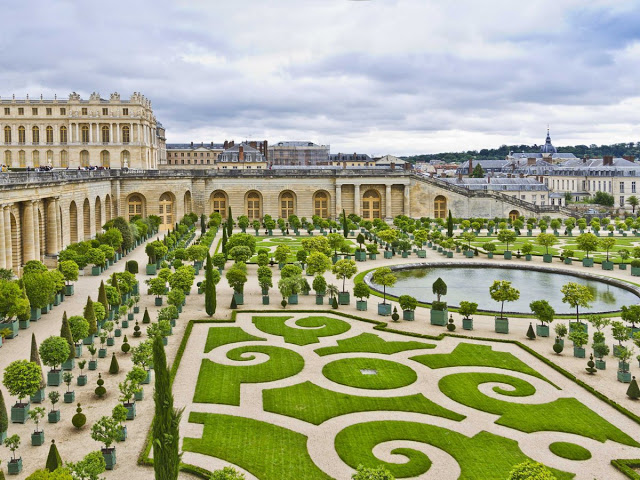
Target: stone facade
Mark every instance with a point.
(74, 133)
(42, 212)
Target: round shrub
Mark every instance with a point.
(79, 419)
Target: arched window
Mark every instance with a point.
(73, 222)
(63, 134)
(135, 206)
(84, 158)
(84, 132)
(371, 205)
(513, 215)
(22, 158)
(49, 133)
(126, 134)
(7, 158)
(104, 158)
(64, 159)
(219, 203)
(50, 157)
(7, 134)
(286, 205)
(124, 159)
(35, 158)
(21, 134)
(253, 206)
(105, 134)
(321, 204)
(440, 207)
(35, 135)
(187, 202)
(166, 210)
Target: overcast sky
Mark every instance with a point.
(377, 76)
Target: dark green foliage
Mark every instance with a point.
(100, 391)
(395, 316)
(334, 303)
(53, 459)
(234, 305)
(223, 245)
(531, 335)
(35, 358)
(451, 326)
(210, 300)
(146, 318)
(370, 473)
(449, 225)
(90, 316)
(127, 238)
(229, 223)
(114, 367)
(603, 198)
(203, 224)
(136, 330)
(79, 419)
(590, 365)
(345, 224)
(633, 391)
(102, 297)
(165, 429)
(132, 266)
(558, 347)
(478, 172)
(65, 332)
(125, 345)
(4, 419)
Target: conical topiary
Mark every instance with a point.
(334, 303)
(100, 390)
(79, 419)
(234, 305)
(590, 365)
(136, 330)
(114, 367)
(35, 358)
(146, 318)
(90, 315)
(65, 332)
(102, 297)
(531, 335)
(633, 391)
(125, 345)
(4, 418)
(114, 283)
(53, 459)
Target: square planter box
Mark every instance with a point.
(449, 254)
(36, 313)
(69, 364)
(468, 253)
(69, 290)
(372, 256)
(489, 254)
(389, 254)
(578, 352)
(151, 269)
(384, 309)
(528, 257)
(319, 299)
(501, 325)
(635, 271)
(165, 341)
(361, 305)
(467, 323)
(69, 397)
(542, 330)
(344, 298)
(507, 255)
(568, 261)
(24, 324)
(20, 413)
(239, 298)
(39, 396)
(131, 410)
(422, 253)
(405, 254)
(111, 341)
(158, 301)
(139, 396)
(125, 323)
(265, 300)
(88, 340)
(439, 317)
(136, 310)
(587, 262)
(102, 353)
(109, 455)
(81, 380)
(361, 256)
(547, 258)
(408, 315)
(607, 265)
(95, 271)
(78, 350)
(601, 364)
(147, 380)
(93, 364)
(293, 299)
(37, 438)
(129, 318)
(14, 467)
(624, 377)
(622, 266)
(54, 378)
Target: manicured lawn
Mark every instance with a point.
(484, 456)
(292, 241)
(473, 355)
(562, 415)
(219, 336)
(388, 375)
(294, 402)
(219, 383)
(309, 330)
(368, 342)
(570, 451)
(265, 450)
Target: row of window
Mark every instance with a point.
(63, 111)
(195, 154)
(84, 134)
(85, 160)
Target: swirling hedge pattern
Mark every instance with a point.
(309, 331)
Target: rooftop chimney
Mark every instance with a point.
(629, 158)
(393, 166)
(585, 158)
(192, 144)
(226, 145)
(241, 153)
(470, 166)
(211, 144)
(607, 160)
(531, 161)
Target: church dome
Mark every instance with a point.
(548, 146)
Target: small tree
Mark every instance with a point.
(54, 351)
(543, 311)
(467, 309)
(619, 332)
(407, 302)
(578, 337)
(106, 431)
(53, 459)
(12, 443)
(606, 244)
(372, 473)
(36, 414)
(79, 328)
(631, 314)
(587, 242)
(361, 290)
(633, 392)
(530, 471)
(546, 240)
(576, 296)
(502, 291)
(506, 236)
(89, 468)
(384, 276)
(344, 269)
(439, 289)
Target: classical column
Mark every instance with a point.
(356, 199)
(387, 199)
(36, 229)
(52, 228)
(3, 253)
(8, 247)
(338, 199)
(27, 233)
(407, 200)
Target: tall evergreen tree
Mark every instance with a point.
(146, 318)
(53, 459)
(4, 418)
(210, 288)
(450, 225)
(90, 315)
(477, 172)
(223, 246)
(35, 358)
(166, 435)
(203, 224)
(102, 297)
(114, 281)
(229, 223)
(345, 225)
(65, 332)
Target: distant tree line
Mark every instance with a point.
(594, 151)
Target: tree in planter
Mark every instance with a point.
(587, 242)
(579, 338)
(502, 291)
(407, 303)
(467, 309)
(106, 431)
(546, 240)
(182, 278)
(142, 355)
(176, 297)
(319, 285)
(79, 328)
(543, 311)
(318, 263)
(600, 349)
(332, 291)
(439, 289)
(344, 269)
(12, 443)
(54, 351)
(265, 278)
(68, 378)
(576, 296)
(506, 236)
(282, 253)
(89, 468)
(607, 244)
(468, 237)
(157, 286)
(219, 260)
(102, 297)
(489, 247)
(361, 291)
(12, 301)
(22, 379)
(165, 428)
(90, 316)
(620, 333)
(241, 253)
(335, 242)
(631, 314)
(69, 270)
(237, 277)
(289, 286)
(385, 278)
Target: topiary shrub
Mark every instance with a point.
(334, 303)
(146, 318)
(558, 347)
(531, 335)
(132, 266)
(234, 305)
(79, 419)
(100, 391)
(590, 365)
(125, 344)
(114, 367)
(633, 392)
(451, 326)
(395, 316)
(53, 459)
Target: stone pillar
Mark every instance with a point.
(3, 253)
(387, 198)
(407, 200)
(356, 199)
(52, 227)
(338, 199)
(27, 233)
(36, 230)
(8, 246)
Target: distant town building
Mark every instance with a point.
(242, 156)
(488, 166)
(350, 160)
(193, 154)
(526, 189)
(298, 153)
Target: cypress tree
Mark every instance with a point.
(114, 283)
(35, 358)
(102, 297)
(166, 435)
(531, 335)
(203, 224)
(234, 305)
(334, 303)
(229, 223)
(114, 367)
(90, 315)
(65, 332)
(53, 459)
(633, 391)
(223, 246)
(210, 288)
(449, 225)
(345, 227)
(146, 318)
(4, 418)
